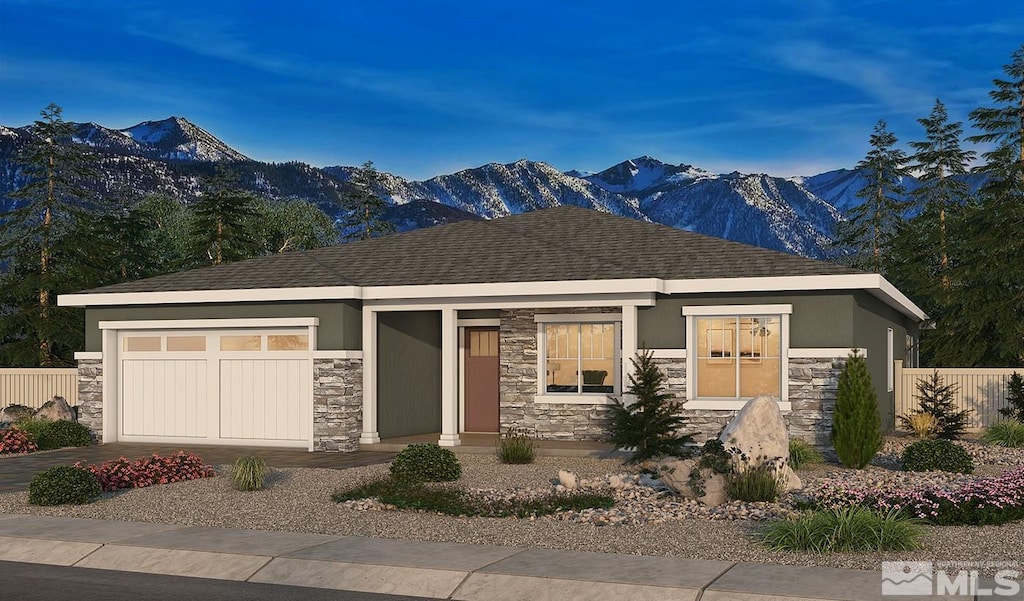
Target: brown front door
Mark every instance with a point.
(481, 386)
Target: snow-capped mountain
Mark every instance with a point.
(174, 156)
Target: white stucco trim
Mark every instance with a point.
(202, 324)
(88, 355)
(370, 434)
(576, 317)
(573, 399)
(668, 353)
(873, 283)
(737, 309)
(337, 354)
(480, 322)
(824, 353)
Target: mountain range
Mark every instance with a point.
(173, 156)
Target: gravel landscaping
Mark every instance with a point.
(643, 520)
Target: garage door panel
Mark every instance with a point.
(164, 397)
(263, 399)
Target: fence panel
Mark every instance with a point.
(982, 391)
(35, 386)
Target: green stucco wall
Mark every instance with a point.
(819, 319)
(408, 373)
(340, 321)
(872, 318)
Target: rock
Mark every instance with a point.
(759, 433)
(650, 481)
(55, 409)
(618, 481)
(675, 474)
(568, 479)
(14, 413)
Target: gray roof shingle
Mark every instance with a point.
(562, 243)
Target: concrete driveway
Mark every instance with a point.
(18, 470)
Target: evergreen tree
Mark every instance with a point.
(867, 233)
(651, 424)
(223, 223)
(1014, 398)
(935, 398)
(856, 425)
(364, 210)
(34, 242)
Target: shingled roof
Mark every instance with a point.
(562, 243)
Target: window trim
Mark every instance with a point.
(890, 369)
(579, 397)
(692, 312)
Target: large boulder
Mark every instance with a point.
(707, 487)
(55, 409)
(758, 435)
(15, 413)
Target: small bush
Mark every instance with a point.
(855, 529)
(14, 441)
(516, 446)
(856, 425)
(754, 484)
(63, 485)
(126, 473)
(426, 463)
(937, 399)
(58, 434)
(923, 425)
(1014, 398)
(937, 454)
(1006, 434)
(250, 473)
(404, 494)
(801, 453)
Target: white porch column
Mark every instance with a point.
(629, 347)
(110, 379)
(449, 379)
(369, 435)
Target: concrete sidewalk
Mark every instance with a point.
(416, 568)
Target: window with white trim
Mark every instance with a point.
(739, 357)
(579, 357)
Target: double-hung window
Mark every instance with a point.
(737, 353)
(578, 357)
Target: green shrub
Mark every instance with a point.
(1006, 434)
(754, 484)
(58, 434)
(937, 454)
(63, 485)
(936, 398)
(1014, 398)
(426, 463)
(250, 473)
(404, 494)
(856, 425)
(516, 446)
(849, 529)
(650, 425)
(801, 453)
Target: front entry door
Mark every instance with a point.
(481, 379)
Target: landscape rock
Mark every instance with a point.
(14, 413)
(675, 475)
(568, 479)
(759, 433)
(55, 409)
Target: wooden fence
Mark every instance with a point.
(980, 390)
(35, 386)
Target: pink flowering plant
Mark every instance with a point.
(994, 500)
(14, 442)
(147, 471)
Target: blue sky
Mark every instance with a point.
(429, 87)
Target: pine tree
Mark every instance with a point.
(867, 233)
(1014, 398)
(935, 398)
(650, 424)
(364, 209)
(856, 425)
(34, 243)
(223, 222)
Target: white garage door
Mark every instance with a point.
(245, 387)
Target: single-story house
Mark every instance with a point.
(529, 320)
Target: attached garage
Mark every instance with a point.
(226, 385)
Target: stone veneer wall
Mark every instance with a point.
(518, 358)
(90, 395)
(812, 393)
(337, 404)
